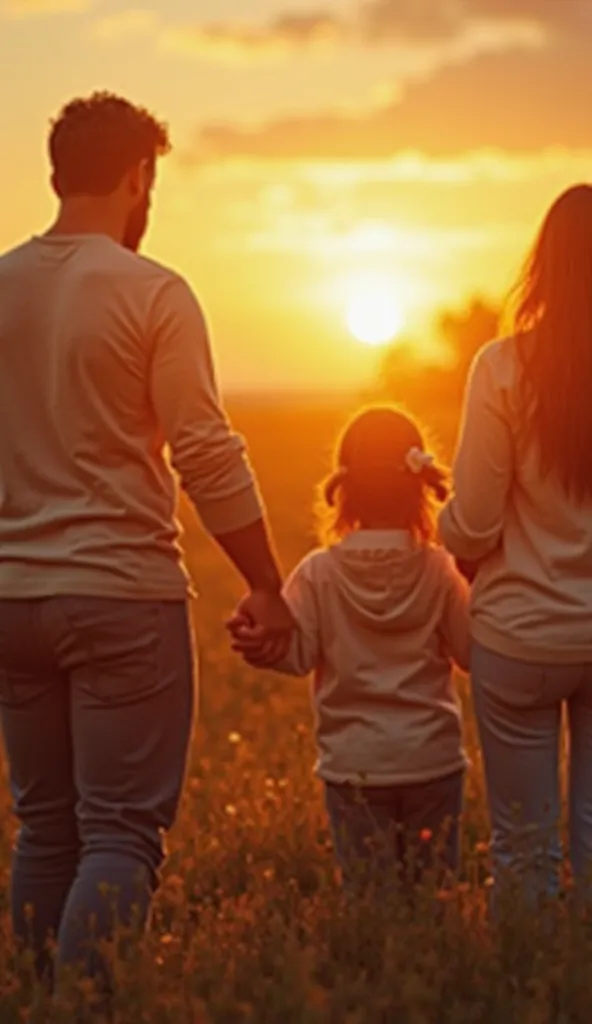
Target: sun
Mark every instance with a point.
(374, 314)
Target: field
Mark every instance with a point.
(249, 923)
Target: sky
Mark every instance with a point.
(331, 158)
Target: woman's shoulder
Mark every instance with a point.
(498, 351)
(496, 364)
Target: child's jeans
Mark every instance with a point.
(382, 833)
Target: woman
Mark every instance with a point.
(522, 510)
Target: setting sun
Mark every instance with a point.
(374, 315)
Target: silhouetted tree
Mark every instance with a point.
(403, 372)
(400, 369)
(465, 332)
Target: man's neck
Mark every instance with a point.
(88, 216)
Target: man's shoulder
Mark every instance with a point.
(164, 283)
(145, 267)
(102, 255)
(11, 258)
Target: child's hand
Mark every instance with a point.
(263, 625)
(251, 643)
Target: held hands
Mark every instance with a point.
(261, 628)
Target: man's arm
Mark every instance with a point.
(303, 654)
(208, 456)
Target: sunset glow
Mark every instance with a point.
(316, 152)
(374, 315)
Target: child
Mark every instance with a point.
(381, 615)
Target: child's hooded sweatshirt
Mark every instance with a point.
(380, 622)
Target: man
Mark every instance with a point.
(105, 358)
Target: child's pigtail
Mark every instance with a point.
(436, 479)
(332, 486)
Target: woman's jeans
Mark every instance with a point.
(96, 701)
(519, 712)
(389, 834)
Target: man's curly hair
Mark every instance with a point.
(95, 140)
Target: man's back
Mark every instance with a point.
(104, 357)
(86, 498)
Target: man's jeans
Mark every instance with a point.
(383, 834)
(96, 700)
(519, 711)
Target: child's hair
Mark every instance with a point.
(382, 474)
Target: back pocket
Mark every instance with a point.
(113, 648)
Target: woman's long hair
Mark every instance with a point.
(553, 325)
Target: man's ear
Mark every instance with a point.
(140, 178)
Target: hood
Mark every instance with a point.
(378, 576)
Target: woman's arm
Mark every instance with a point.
(455, 625)
(472, 523)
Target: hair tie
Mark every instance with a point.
(416, 461)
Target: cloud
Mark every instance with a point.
(379, 23)
(511, 101)
(565, 14)
(290, 31)
(125, 24)
(13, 9)
(18, 9)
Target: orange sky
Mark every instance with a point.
(318, 145)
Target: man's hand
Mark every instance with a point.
(262, 628)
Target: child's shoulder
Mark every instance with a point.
(441, 563)
(312, 563)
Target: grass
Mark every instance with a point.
(249, 924)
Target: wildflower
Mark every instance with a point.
(231, 810)
(235, 738)
(426, 835)
(482, 849)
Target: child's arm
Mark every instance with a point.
(304, 651)
(455, 625)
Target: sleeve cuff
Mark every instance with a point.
(235, 512)
(460, 542)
